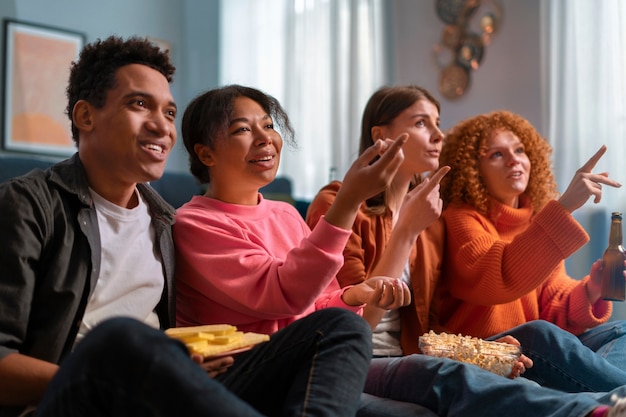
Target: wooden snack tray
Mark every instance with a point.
(216, 340)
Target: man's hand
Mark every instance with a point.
(213, 367)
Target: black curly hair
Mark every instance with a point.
(207, 117)
(93, 75)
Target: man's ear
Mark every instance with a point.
(205, 155)
(82, 115)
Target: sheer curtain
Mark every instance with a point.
(585, 80)
(322, 59)
(586, 88)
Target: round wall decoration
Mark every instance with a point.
(469, 27)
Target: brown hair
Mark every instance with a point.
(464, 144)
(382, 107)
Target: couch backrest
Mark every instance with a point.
(14, 166)
(175, 188)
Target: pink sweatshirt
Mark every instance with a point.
(256, 267)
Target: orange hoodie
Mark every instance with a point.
(508, 267)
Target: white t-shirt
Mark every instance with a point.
(386, 335)
(131, 278)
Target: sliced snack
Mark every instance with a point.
(214, 339)
(496, 357)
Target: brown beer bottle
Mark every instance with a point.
(613, 284)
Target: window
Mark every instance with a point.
(585, 79)
(322, 60)
(586, 93)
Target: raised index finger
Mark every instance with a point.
(395, 147)
(435, 178)
(441, 172)
(593, 160)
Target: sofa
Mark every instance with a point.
(175, 187)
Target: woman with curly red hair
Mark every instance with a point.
(508, 233)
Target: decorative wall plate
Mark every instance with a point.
(452, 11)
(469, 27)
(453, 81)
(486, 20)
(470, 51)
(451, 36)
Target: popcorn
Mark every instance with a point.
(496, 357)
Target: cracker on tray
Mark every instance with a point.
(215, 339)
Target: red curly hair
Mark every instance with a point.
(466, 142)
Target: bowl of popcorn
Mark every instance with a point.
(495, 357)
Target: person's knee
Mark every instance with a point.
(123, 335)
(540, 330)
(339, 320)
(619, 327)
(348, 320)
(541, 326)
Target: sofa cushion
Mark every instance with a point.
(14, 166)
(177, 188)
(372, 406)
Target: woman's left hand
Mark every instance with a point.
(382, 292)
(522, 363)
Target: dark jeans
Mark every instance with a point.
(314, 367)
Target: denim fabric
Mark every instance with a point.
(372, 406)
(316, 366)
(125, 368)
(312, 367)
(451, 388)
(609, 341)
(562, 362)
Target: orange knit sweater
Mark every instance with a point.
(370, 234)
(508, 267)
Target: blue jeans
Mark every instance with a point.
(315, 366)
(451, 388)
(609, 341)
(562, 362)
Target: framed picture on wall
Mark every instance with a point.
(37, 61)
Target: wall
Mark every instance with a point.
(189, 26)
(509, 76)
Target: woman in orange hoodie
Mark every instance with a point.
(508, 234)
